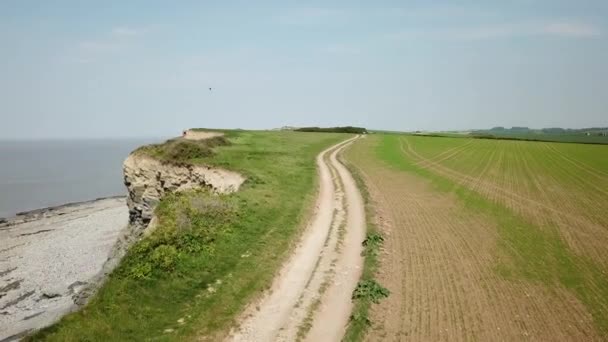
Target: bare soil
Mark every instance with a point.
(438, 260)
(200, 135)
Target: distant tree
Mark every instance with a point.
(553, 130)
(497, 128)
(346, 129)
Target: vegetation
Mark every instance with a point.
(184, 151)
(192, 275)
(365, 294)
(591, 135)
(347, 129)
(547, 201)
(370, 290)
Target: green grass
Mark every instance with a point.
(564, 137)
(210, 255)
(183, 151)
(535, 253)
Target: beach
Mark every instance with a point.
(49, 256)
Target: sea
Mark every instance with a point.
(44, 173)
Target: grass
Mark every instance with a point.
(536, 252)
(183, 151)
(193, 275)
(534, 137)
(563, 137)
(363, 300)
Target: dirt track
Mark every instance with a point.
(200, 135)
(310, 299)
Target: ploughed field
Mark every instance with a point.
(488, 239)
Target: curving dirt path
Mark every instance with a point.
(310, 299)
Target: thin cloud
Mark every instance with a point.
(114, 41)
(571, 30)
(489, 32)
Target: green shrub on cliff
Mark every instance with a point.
(188, 224)
(183, 151)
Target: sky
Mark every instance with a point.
(101, 69)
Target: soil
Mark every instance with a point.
(200, 135)
(438, 262)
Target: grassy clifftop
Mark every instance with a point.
(210, 255)
(183, 151)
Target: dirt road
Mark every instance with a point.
(310, 298)
(200, 135)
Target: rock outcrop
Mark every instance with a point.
(148, 180)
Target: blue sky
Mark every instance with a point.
(143, 68)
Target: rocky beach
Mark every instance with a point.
(50, 257)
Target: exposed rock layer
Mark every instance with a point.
(148, 180)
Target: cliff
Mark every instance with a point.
(148, 179)
(150, 173)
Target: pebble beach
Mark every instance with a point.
(48, 256)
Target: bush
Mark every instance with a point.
(347, 129)
(370, 290)
(185, 150)
(373, 240)
(188, 224)
(182, 151)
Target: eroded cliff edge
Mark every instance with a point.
(152, 172)
(148, 180)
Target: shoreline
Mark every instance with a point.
(46, 212)
(51, 257)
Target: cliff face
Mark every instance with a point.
(148, 180)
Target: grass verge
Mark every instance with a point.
(368, 291)
(209, 255)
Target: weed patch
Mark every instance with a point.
(359, 320)
(370, 290)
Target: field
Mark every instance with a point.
(193, 275)
(488, 239)
(565, 137)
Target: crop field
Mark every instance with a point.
(488, 239)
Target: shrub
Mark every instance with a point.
(185, 150)
(164, 257)
(370, 290)
(188, 224)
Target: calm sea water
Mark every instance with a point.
(38, 174)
